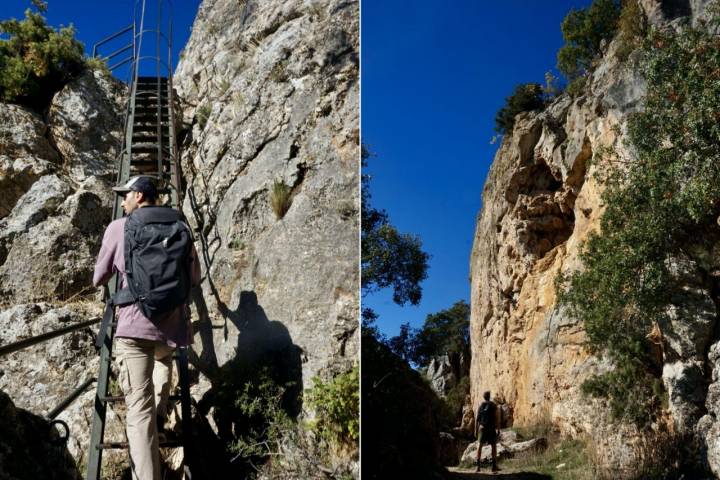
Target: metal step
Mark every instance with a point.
(149, 148)
(153, 138)
(121, 398)
(150, 114)
(124, 445)
(150, 128)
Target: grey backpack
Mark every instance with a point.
(157, 261)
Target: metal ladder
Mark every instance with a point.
(149, 148)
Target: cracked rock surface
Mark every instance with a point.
(55, 179)
(270, 94)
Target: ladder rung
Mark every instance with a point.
(124, 445)
(150, 108)
(144, 163)
(121, 398)
(148, 148)
(150, 116)
(148, 137)
(148, 128)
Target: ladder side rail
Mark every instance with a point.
(94, 466)
(158, 108)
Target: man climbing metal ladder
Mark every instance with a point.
(152, 250)
(153, 323)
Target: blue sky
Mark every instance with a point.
(433, 76)
(93, 20)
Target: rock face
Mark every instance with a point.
(55, 178)
(270, 95)
(440, 374)
(540, 202)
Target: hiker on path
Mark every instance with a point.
(487, 428)
(150, 326)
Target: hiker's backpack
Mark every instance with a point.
(157, 260)
(486, 415)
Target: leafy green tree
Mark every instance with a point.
(447, 331)
(402, 344)
(583, 31)
(389, 258)
(525, 98)
(661, 204)
(35, 59)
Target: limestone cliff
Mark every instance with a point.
(540, 201)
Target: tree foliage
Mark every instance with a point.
(447, 331)
(444, 332)
(389, 259)
(35, 59)
(583, 31)
(525, 98)
(659, 206)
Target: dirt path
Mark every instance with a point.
(456, 473)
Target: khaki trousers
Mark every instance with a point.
(145, 374)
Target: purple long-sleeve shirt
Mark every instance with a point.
(172, 328)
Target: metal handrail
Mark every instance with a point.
(111, 37)
(44, 337)
(70, 398)
(153, 30)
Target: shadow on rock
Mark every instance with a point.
(30, 447)
(252, 395)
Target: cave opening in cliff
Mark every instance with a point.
(546, 209)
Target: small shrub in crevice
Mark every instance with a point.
(525, 98)
(98, 65)
(337, 408)
(280, 198)
(203, 114)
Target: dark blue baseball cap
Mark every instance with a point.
(139, 183)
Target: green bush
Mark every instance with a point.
(659, 205)
(337, 408)
(250, 412)
(632, 28)
(36, 60)
(525, 98)
(454, 401)
(583, 31)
